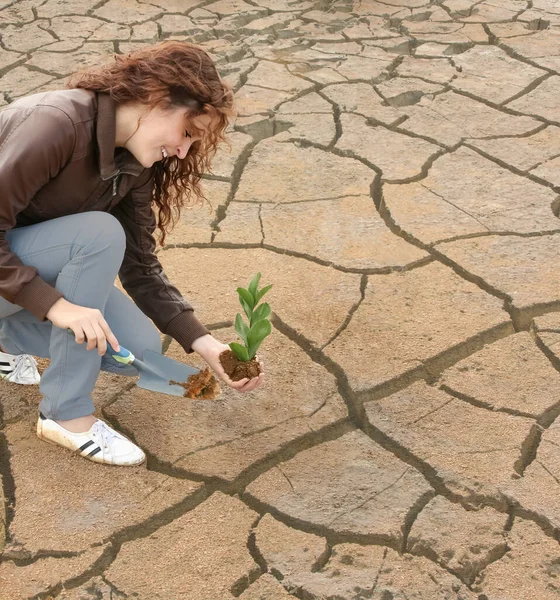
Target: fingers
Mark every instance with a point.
(109, 336)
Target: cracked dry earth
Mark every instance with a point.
(394, 172)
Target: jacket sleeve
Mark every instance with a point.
(35, 145)
(141, 273)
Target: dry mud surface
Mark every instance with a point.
(394, 172)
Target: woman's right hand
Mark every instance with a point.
(88, 325)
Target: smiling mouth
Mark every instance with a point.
(164, 152)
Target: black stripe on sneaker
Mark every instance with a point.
(94, 452)
(86, 445)
(42, 416)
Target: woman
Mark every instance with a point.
(80, 172)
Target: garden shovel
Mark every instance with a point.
(156, 371)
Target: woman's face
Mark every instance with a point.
(164, 132)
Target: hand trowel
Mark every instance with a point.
(156, 371)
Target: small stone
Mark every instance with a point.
(287, 551)
(528, 570)
(463, 542)
(201, 554)
(43, 575)
(91, 509)
(489, 73)
(265, 588)
(398, 156)
(511, 373)
(326, 229)
(406, 319)
(353, 571)
(279, 173)
(472, 450)
(541, 101)
(517, 266)
(349, 486)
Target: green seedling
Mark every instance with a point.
(259, 324)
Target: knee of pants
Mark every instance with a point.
(103, 230)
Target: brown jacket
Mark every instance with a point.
(57, 158)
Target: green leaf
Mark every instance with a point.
(239, 351)
(246, 296)
(248, 311)
(241, 328)
(257, 333)
(261, 312)
(262, 293)
(253, 286)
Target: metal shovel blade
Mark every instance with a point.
(157, 372)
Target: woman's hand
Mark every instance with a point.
(88, 324)
(210, 349)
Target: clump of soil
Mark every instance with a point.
(239, 369)
(201, 386)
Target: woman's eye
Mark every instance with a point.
(187, 133)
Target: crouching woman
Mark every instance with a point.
(87, 175)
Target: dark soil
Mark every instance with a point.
(201, 386)
(239, 369)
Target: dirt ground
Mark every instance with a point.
(394, 173)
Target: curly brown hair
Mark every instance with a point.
(169, 74)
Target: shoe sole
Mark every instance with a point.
(91, 459)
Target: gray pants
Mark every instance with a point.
(80, 255)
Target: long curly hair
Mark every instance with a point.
(169, 74)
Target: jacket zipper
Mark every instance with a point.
(116, 182)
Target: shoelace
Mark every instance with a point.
(104, 433)
(25, 367)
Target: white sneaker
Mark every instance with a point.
(100, 444)
(19, 368)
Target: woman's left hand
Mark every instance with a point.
(210, 349)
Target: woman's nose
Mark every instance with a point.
(183, 149)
